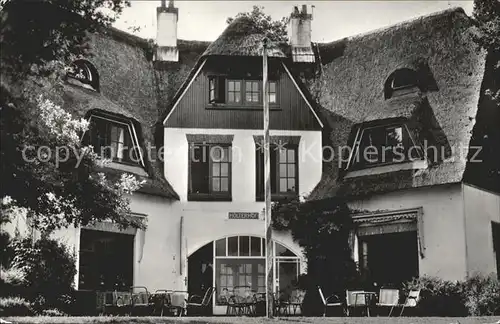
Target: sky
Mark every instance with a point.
(332, 20)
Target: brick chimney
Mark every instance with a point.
(166, 32)
(300, 35)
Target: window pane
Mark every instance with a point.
(282, 170)
(248, 86)
(283, 155)
(226, 154)
(237, 97)
(215, 170)
(255, 249)
(255, 97)
(237, 85)
(232, 246)
(291, 185)
(248, 97)
(216, 184)
(291, 170)
(272, 98)
(283, 185)
(291, 155)
(272, 87)
(244, 245)
(224, 169)
(224, 184)
(220, 247)
(394, 136)
(230, 85)
(230, 97)
(255, 86)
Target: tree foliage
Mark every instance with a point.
(322, 229)
(275, 30)
(57, 186)
(41, 31)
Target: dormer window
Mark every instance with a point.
(401, 82)
(115, 140)
(84, 74)
(383, 145)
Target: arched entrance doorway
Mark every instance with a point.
(239, 261)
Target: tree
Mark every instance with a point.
(323, 229)
(486, 133)
(275, 30)
(57, 186)
(487, 20)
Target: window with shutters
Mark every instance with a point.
(239, 93)
(209, 172)
(284, 171)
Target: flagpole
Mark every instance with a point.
(267, 188)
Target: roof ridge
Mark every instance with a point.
(401, 24)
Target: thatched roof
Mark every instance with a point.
(440, 49)
(241, 38)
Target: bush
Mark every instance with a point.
(50, 270)
(439, 297)
(12, 281)
(15, 306)
(482, 295)
(53, 312)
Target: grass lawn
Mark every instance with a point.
(256, 320)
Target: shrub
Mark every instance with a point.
(438, 297)
(53, 312)
(482, 295)
(12, 281)
(50, 271)
(14, 306)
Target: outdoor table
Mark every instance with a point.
(368, 296)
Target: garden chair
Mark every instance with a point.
(197, 302)
(355, 299)
(161, 301)
(281, 303)
(388, 298)
(411, 300)
(296, 300)
(332, 301)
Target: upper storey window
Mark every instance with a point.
(209, 171)
(83, 73)
(384, 145)
(401, 82)
(234, 92)
(284, 171)
(114, 140)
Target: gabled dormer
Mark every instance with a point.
(225, 89)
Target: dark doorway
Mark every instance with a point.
(495, 228)
(389, 259)
(106, 260)
(200, 270)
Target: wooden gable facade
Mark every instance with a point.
(292, 111)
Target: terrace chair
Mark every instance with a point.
(388, 298)
(331, 301)
(140, 300)
(281, 303)
(197, 302)
(161, 301)
(354, 300)
(411, 300)
(296, 300)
